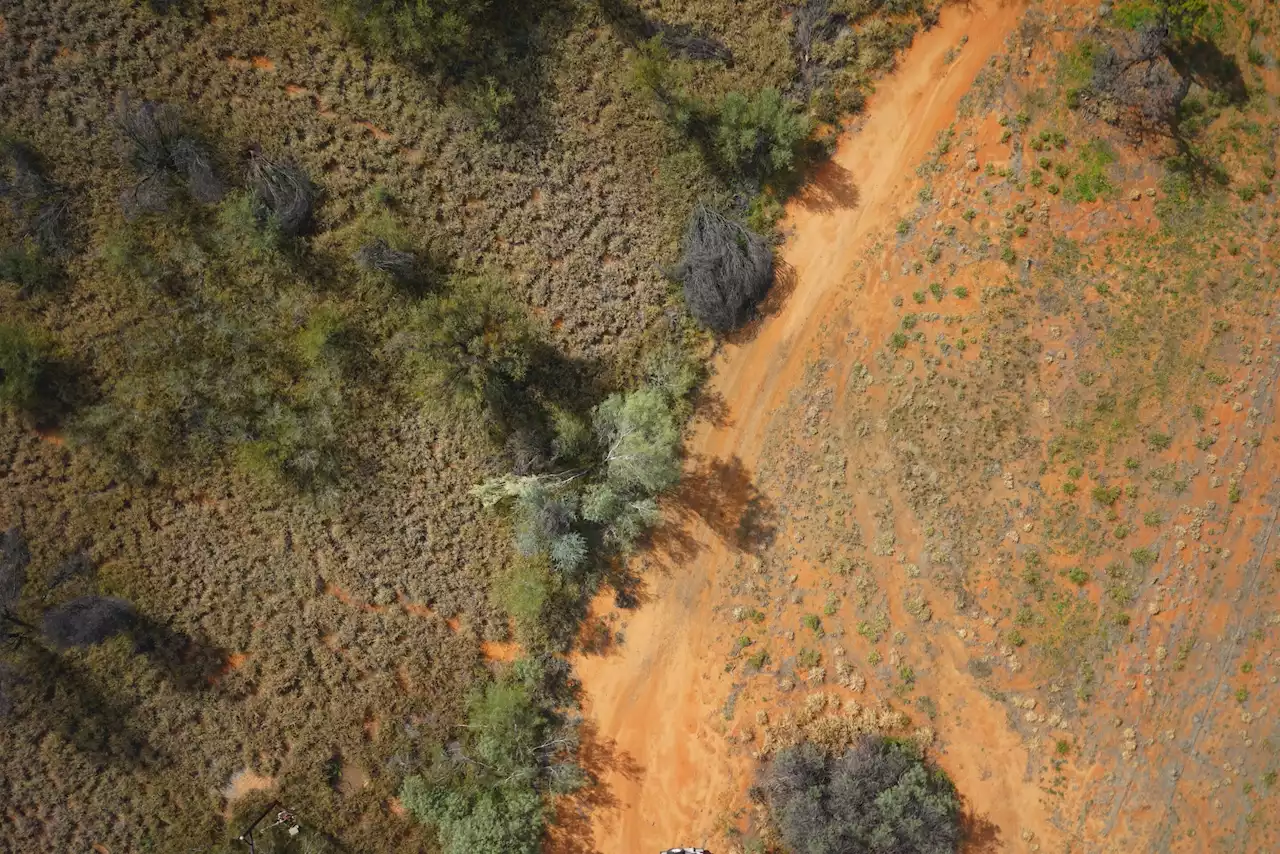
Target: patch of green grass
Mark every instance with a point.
(758, 659)
(1106, 495)
(813, 623)
(808, 658)
(1091, 181)
(1143, 557)
(1078, 576)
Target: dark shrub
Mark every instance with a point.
(726, 270)
(165, 157)
(880, 796)
(283, 193)
(88, 620)
(39, 205)
(1140, 76)
(14, 557)
(378, 256)
(24, 361)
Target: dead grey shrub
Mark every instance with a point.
(283, 192)
(165, 157)
(726, 270)
(1140, 76)
(378, 257)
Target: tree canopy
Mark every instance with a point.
(879, 797)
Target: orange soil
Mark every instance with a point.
(657, 701)
(242, 783)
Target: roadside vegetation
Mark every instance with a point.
(878, 795)
(332, 349)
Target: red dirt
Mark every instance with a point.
(658, 699)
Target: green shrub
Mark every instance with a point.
(489, 791)
(880, 795)
(427, 32)
(30, 269)
(469, 348)
(758, 136)
(24, 361)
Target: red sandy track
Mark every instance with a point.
(655, 703)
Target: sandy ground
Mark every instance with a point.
(668, 775)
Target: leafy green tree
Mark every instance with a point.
(470, 348)
(759, 136)
(641, 441)
(488, 791)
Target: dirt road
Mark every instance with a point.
(669, 776)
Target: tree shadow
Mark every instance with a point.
(722, 494)
(516, 60)
(1204, 63)
(191, 664)
(570, 831)
(633, 26)
(980, 835)
(711, 407)
(59, 696)
(785, 282)
(630, 590)
(829, 189)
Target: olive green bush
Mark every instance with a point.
(758, 135)
(24, 365)
(879, 796)
(469, 348)
(490, 789)
(423, 32)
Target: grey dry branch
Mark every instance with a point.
(165, 157)
(726, 270)
(284, 194)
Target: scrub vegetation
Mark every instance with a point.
(339, 340)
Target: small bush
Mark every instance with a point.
(423, 32)
(726, 270)
(164, 156)
(283, 192)
(880, 795)
(24, 361)
(469, 348)
(758, 136)
(29, 268)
